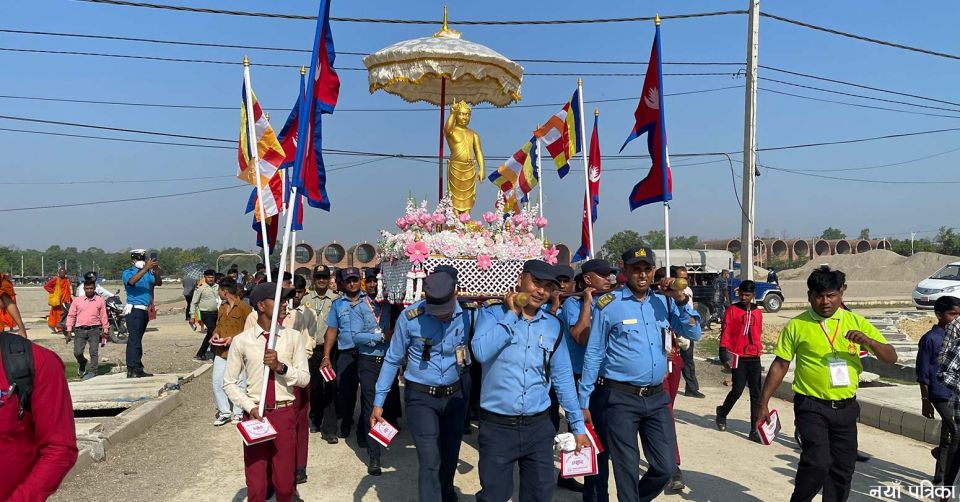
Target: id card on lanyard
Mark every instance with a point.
(378, 330)
(839, 371)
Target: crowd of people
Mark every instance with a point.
(606, 345)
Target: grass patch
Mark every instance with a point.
(72, 367)
(708, 347)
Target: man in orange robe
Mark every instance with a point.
(59, 298)
(9, 313)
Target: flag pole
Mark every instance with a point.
(664, 159)
(254, 156)
(586, 167)
(540, 177)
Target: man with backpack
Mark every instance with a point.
(39, 444)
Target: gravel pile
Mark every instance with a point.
(876, 265)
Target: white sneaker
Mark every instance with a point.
(220, 420)
(235, 420)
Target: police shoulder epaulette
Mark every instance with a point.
(605, 300)
(413, 313)
(491, 302)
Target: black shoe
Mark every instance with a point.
(755, 437)
(81, 368)
(373, 467)
(862, 457)
(344, 433)
(301, 476)
(676, 481)
(138, 374)
(329, 439)
(314, 429)
(129, 374)
(694, 393)
(362, 443)
(721, 419)
(570, 484)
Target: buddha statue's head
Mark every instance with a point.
(461, 113)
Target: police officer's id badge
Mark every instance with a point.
(463, 356)
(839, 373)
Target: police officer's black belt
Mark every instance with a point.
(352, 352)
(511, 420)
(843, 403)
(633, 389)
(435, 390)
(371, 357)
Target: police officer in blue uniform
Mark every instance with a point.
(433, 337)
(630, 336)
(593, 281)
(523, 356)
(372, 346)
(352, 323)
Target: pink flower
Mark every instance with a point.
(550, 255)
(518, 220)
(464, 217)
(417, 252)
(424, 219)
(402, 223)
(540, 222)
(489, 217)
(484, 262)
(439, 219)
(410, 219)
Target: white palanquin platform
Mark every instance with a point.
(497, 280)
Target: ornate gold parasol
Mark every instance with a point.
(443, 66)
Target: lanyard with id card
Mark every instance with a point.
(839, 372)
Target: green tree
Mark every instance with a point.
(832, 234)
(947, 241)
(864, 234)
(619, 243)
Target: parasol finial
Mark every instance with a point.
(446, 31)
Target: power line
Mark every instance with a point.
(859, 37)
(858, 140)
(410, 21)
(861, 96)
(858, 105)
(879, 166)
(859, 180)
(132, 199)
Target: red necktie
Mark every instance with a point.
(271, 399)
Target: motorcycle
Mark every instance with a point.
(118, 322)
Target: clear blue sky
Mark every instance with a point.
(367, 198)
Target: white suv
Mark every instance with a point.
(944, 282)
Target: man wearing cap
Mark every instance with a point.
(595, 279)
(288, 369)
(433, 336)
(630, 336)
(323, 414)
(352, 323)
(206, 302)
(523, 357)
(138, 282)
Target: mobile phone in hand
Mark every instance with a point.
(153, 256)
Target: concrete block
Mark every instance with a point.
(891, 419)
(914, 426)
(931, 432)
(870, 413)
(143, 417)
(88, 428)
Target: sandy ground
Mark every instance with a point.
(916, 328)
(796, 290)
(33, 300)
(184, 458)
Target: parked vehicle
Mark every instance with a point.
(118, 322)
(943, 282)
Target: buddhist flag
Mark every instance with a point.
(506, 180)
(657, 185)
(524, 162)
(562, 134)
(269, 152)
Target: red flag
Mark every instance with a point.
(586, 250)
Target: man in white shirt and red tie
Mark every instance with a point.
(288, 369)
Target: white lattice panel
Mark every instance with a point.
(497, 280)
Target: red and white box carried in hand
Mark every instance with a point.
(733, 360)
(383, 433)
(255, 431)
(769, 428)
(573, 464)
(592, 436)
(328, 374)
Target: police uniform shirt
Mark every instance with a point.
(354, 321)
(626, 336)
(415, 331)
(570, 313)
(520, 365)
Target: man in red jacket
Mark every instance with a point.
(37, 438)
(740, 349)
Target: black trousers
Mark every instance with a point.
(627, 415)
(689, 371)
(209, 318)
(323, 395)
(746, 374)
(186, 312)
(348, 381)
(828, 449)
(595, 488)
(136, 326)
(502, 447)
(436, 424)
(369, 371)
(948, 462)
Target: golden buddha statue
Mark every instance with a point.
(465, 157)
